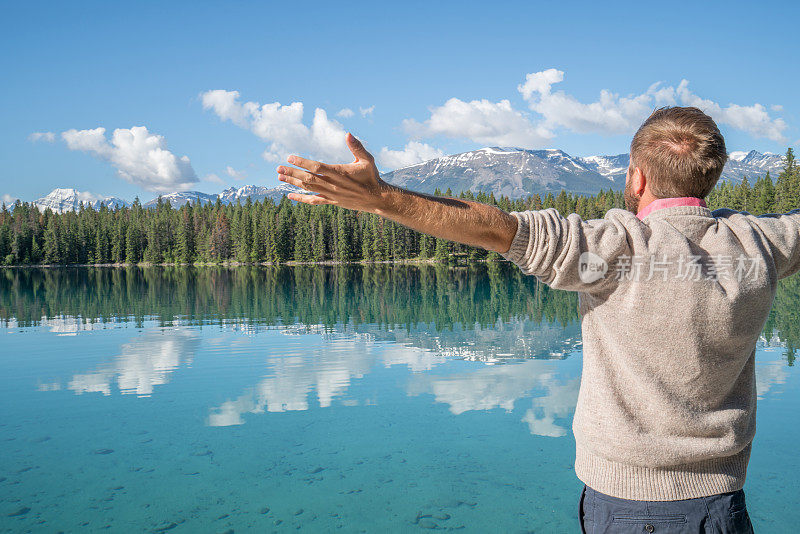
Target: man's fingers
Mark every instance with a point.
(311, 199)
(292, 180)
(310, 165)
(302, 177)
(305, 180)
(358, 149)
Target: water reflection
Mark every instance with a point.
(348, 322)
(293, 377)
(381, 295)
(142, 364)
(560, 401)
(502, 386)
(329, 370)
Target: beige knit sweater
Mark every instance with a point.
(672, 307)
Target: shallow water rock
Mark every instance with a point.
(427, 522)
(19, 511)
(428, 519)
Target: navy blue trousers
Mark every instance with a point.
(725, 513)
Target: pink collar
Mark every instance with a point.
(670, 203)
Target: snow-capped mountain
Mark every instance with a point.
(517, 172)
(513, 172)
(227, 196)
(180, 198)
(256, 193)
(612, 167)
(752, 164)
(61, 200)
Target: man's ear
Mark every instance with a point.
(639, 181)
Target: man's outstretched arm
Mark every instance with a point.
(358, 186)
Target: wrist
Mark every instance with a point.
(383, 198)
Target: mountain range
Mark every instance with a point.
(513, 172)
(517, 172)
(61, 200)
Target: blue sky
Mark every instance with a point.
(420, 78)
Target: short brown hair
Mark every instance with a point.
(681, 152)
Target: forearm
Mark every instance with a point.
(453, 219)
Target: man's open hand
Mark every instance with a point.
(355, 186)
(358, 186)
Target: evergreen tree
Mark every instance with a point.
(787, 189)
(185, 245)
(256, 231)
(442, 252)
(118, 244)
(221, 238)
(52, 241)
(765, 199)
(284, 242)
(344, 235)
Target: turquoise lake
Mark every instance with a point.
(348, 398)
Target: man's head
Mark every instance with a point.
(677, 152)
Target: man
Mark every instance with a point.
(673, 298)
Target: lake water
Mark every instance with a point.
(357, 399)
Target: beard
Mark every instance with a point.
(631, 200)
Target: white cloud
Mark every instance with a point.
(139, 156)
(776, 107)
(611, 114)
(615, 114)
(48, 137)
(481, 121)
(8, 199)
(236, 175)
(414, 152)
(345, 113)
(282, 127)
(754, 119)
(540, 82)
(366, 111)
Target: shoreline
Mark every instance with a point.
(420, 261)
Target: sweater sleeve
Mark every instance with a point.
(782, 232)
(567, 252)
